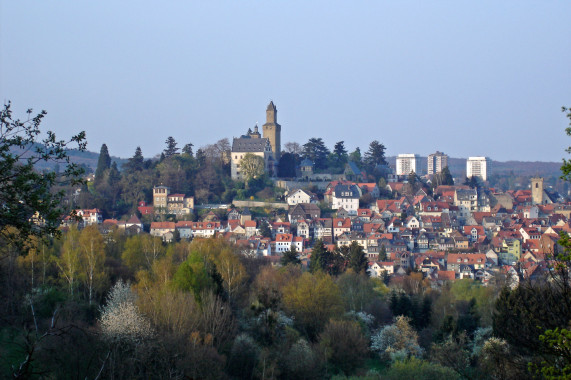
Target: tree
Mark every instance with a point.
(92, 258)
(418, 369)
(293, 148)
(323, 260)
(135, 163)
(357, 259)
(383, 253)
(398, 340)
(375, 155)
(252, 166)
(68, 262)
(265, 229)
(287, 165)
(103, 163)
(232, 271)
(344, 345)
(316, 151)
(313, 300)
(187, 149)
(340, 153)
(121, 320)
(171, 148)
(25, 193)
(290, 257)
(355, 156)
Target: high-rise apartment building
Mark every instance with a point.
(477, 167)
(436, 162)
(407, 163)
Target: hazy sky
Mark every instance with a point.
(464, 77)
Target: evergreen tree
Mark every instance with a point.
(103, 163)
(316, 151)
(447, 177)
(200, 157)
(355, 156)
(287, 165)
(375, 155)
(187, 149)
(340, 153)
(357, 259)
(290, 257)
(265, 229)
(171, 148)
(383, 253)
(135, 163)
(319, 257)
(114, 176)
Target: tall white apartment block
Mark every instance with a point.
(407, 163)
(477, 167)
(436, 162)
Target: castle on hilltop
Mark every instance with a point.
(267, 146)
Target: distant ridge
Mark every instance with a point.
(89, 159)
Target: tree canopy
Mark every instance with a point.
(316, 151)
(25, 193)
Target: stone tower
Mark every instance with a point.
(537, 191)
(272, 130)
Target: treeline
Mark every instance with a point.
(123, 306)
(204, 175)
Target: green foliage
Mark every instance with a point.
(316, 151)
(135, 163)
(197, 274)
(375, 155)
(103, 163)
(566, 167)
(418, 369)
(344, 345)
(355, 156)
(324, 260)
(26, 194)
(290, 257)
(357, 260)
(559, 342)
(287, 165)
(171, 148)
(313, 300)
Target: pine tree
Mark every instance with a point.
(375, 155)
(103, 163)
(340, 153)
(316, 151)
(357, 259)
(135, 163)
(383, 253)
(171, 148)
(265, 230)
(290, 257)
(187, 149)
(114, 176)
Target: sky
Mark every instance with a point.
(468, 78)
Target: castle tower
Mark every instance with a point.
(537, 191)
(272, 130)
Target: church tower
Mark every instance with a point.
(272, 130)
(537, 191)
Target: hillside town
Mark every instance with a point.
(444, 231)
(245, 261)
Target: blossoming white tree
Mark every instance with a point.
(121, 320)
